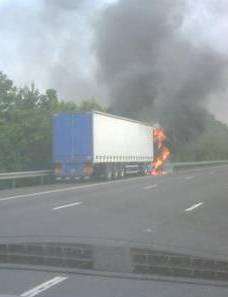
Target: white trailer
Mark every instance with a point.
(120, 139)
(101, 144)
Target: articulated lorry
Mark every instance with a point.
(96, 144)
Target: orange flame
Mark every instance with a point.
(164, 153)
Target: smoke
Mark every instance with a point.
(156, 65)
(49, 42)
(158, 60)
(64, 4)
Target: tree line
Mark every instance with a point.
(26, 129)
(26, 124)
(211, 144)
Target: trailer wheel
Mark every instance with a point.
(108, 174)
(144, 171)
(115, 173)
(122, 173)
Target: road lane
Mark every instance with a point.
(38, 190)
(84, 286)
(189, 177)
(124, 210)
(66, 189)
(13, 282)
(44, 286)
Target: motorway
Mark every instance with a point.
(182, 212)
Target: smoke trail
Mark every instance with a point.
(153, 68)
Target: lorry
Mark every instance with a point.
(97, 144)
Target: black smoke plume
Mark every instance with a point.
(151, 68)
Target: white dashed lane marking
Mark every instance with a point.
(194, 206)
(67, 205)
(189, 177)
(150, 187)
(44, 286)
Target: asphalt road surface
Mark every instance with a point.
(182, 212)
(30, 283)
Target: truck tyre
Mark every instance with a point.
(108, 174)
(115, 173)
(122, 173)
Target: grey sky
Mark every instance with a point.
(51, 42)
(207, 24)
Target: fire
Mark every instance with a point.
(163, 152)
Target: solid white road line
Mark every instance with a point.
(44, 286)
(194, 206)
(189, 177)
(150, 187)
(67, 205)
(67, 189)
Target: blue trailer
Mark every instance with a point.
(99, 144)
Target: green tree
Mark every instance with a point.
(26, 124)
(212, 144)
